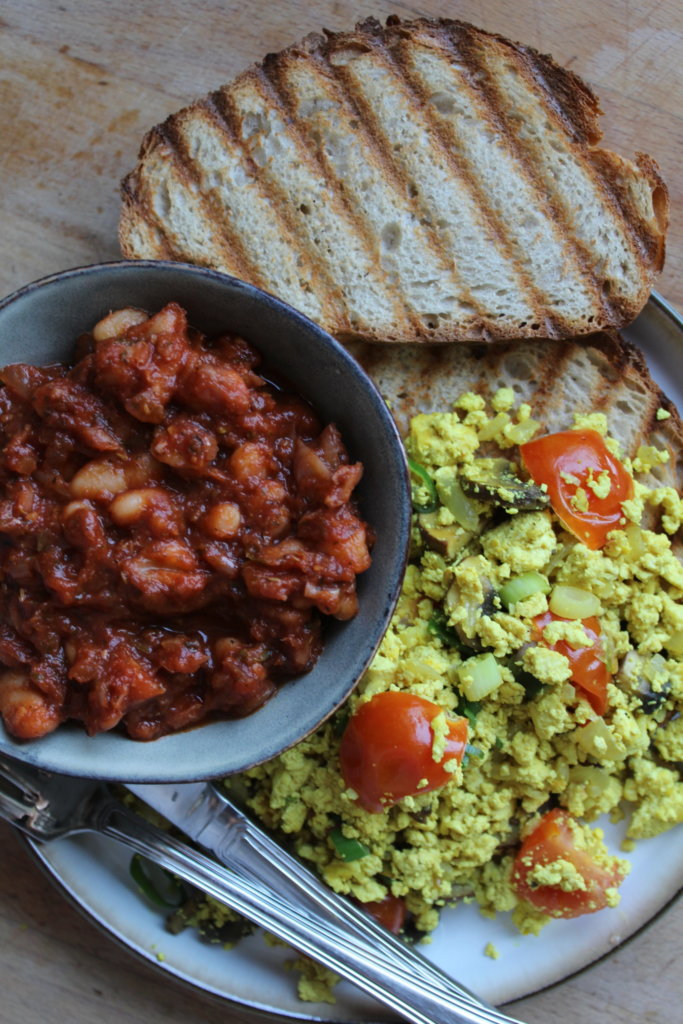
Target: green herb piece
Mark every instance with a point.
(532, 685)
(340, 721)
(420, 474)
(348, 849)
(151, 880)
(469, 708)
(471, 751)
(438, 626)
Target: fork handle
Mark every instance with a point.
(386, 978)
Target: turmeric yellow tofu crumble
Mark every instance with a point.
(531, 680)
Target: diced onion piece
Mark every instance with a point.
(573, 603)
(635, 540)
(462, 508)
(597, 740)
(596, 780)
(521, 587)
(479, 676)
(674, 644)
(520, 433)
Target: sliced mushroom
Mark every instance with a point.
(474, 610)
(638, 674)
(496, 481)
(448, 541)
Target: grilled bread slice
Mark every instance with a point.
(601, 373)
(423, 181)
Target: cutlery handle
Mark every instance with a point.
(266, 887)
(411, 996)
(243, 846)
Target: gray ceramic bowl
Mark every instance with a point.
(39, 324)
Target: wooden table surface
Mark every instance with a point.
(80, 81)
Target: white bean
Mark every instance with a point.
(222, 520)
(131, 506)
(100, 478)
(115, 323)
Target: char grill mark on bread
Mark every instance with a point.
(260, 216)
(423, 181)
(597, 191)
(165, 173)
(445, 195)
(325, 223)
(533, 219)
(602, 373)
(356, 160)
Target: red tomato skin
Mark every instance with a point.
(389, 912)
(386, 749)
(575, 453)
(552, 840)
(589, 673)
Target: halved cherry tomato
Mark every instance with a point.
(564, 462)
(589, 672)
(389, 912)
(553, 840)
(386, 749)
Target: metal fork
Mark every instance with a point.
(47, 807)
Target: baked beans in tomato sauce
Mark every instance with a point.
(172, 526)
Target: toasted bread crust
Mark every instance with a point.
(420, 181)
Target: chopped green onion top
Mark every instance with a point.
(141, 872)
(348, 849)
(424, 480)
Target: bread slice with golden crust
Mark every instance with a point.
(419, 181)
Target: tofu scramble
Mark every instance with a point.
(540, 634)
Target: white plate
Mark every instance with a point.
(94, 873)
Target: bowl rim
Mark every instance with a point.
(32, 751)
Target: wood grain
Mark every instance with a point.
(79, 84)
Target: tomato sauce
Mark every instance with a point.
(172, 527)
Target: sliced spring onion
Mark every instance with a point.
(573, 603)
(348, 849)
(479, 676)
(520, 587)
(423, 480)
(340, 721)
(150, 879)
